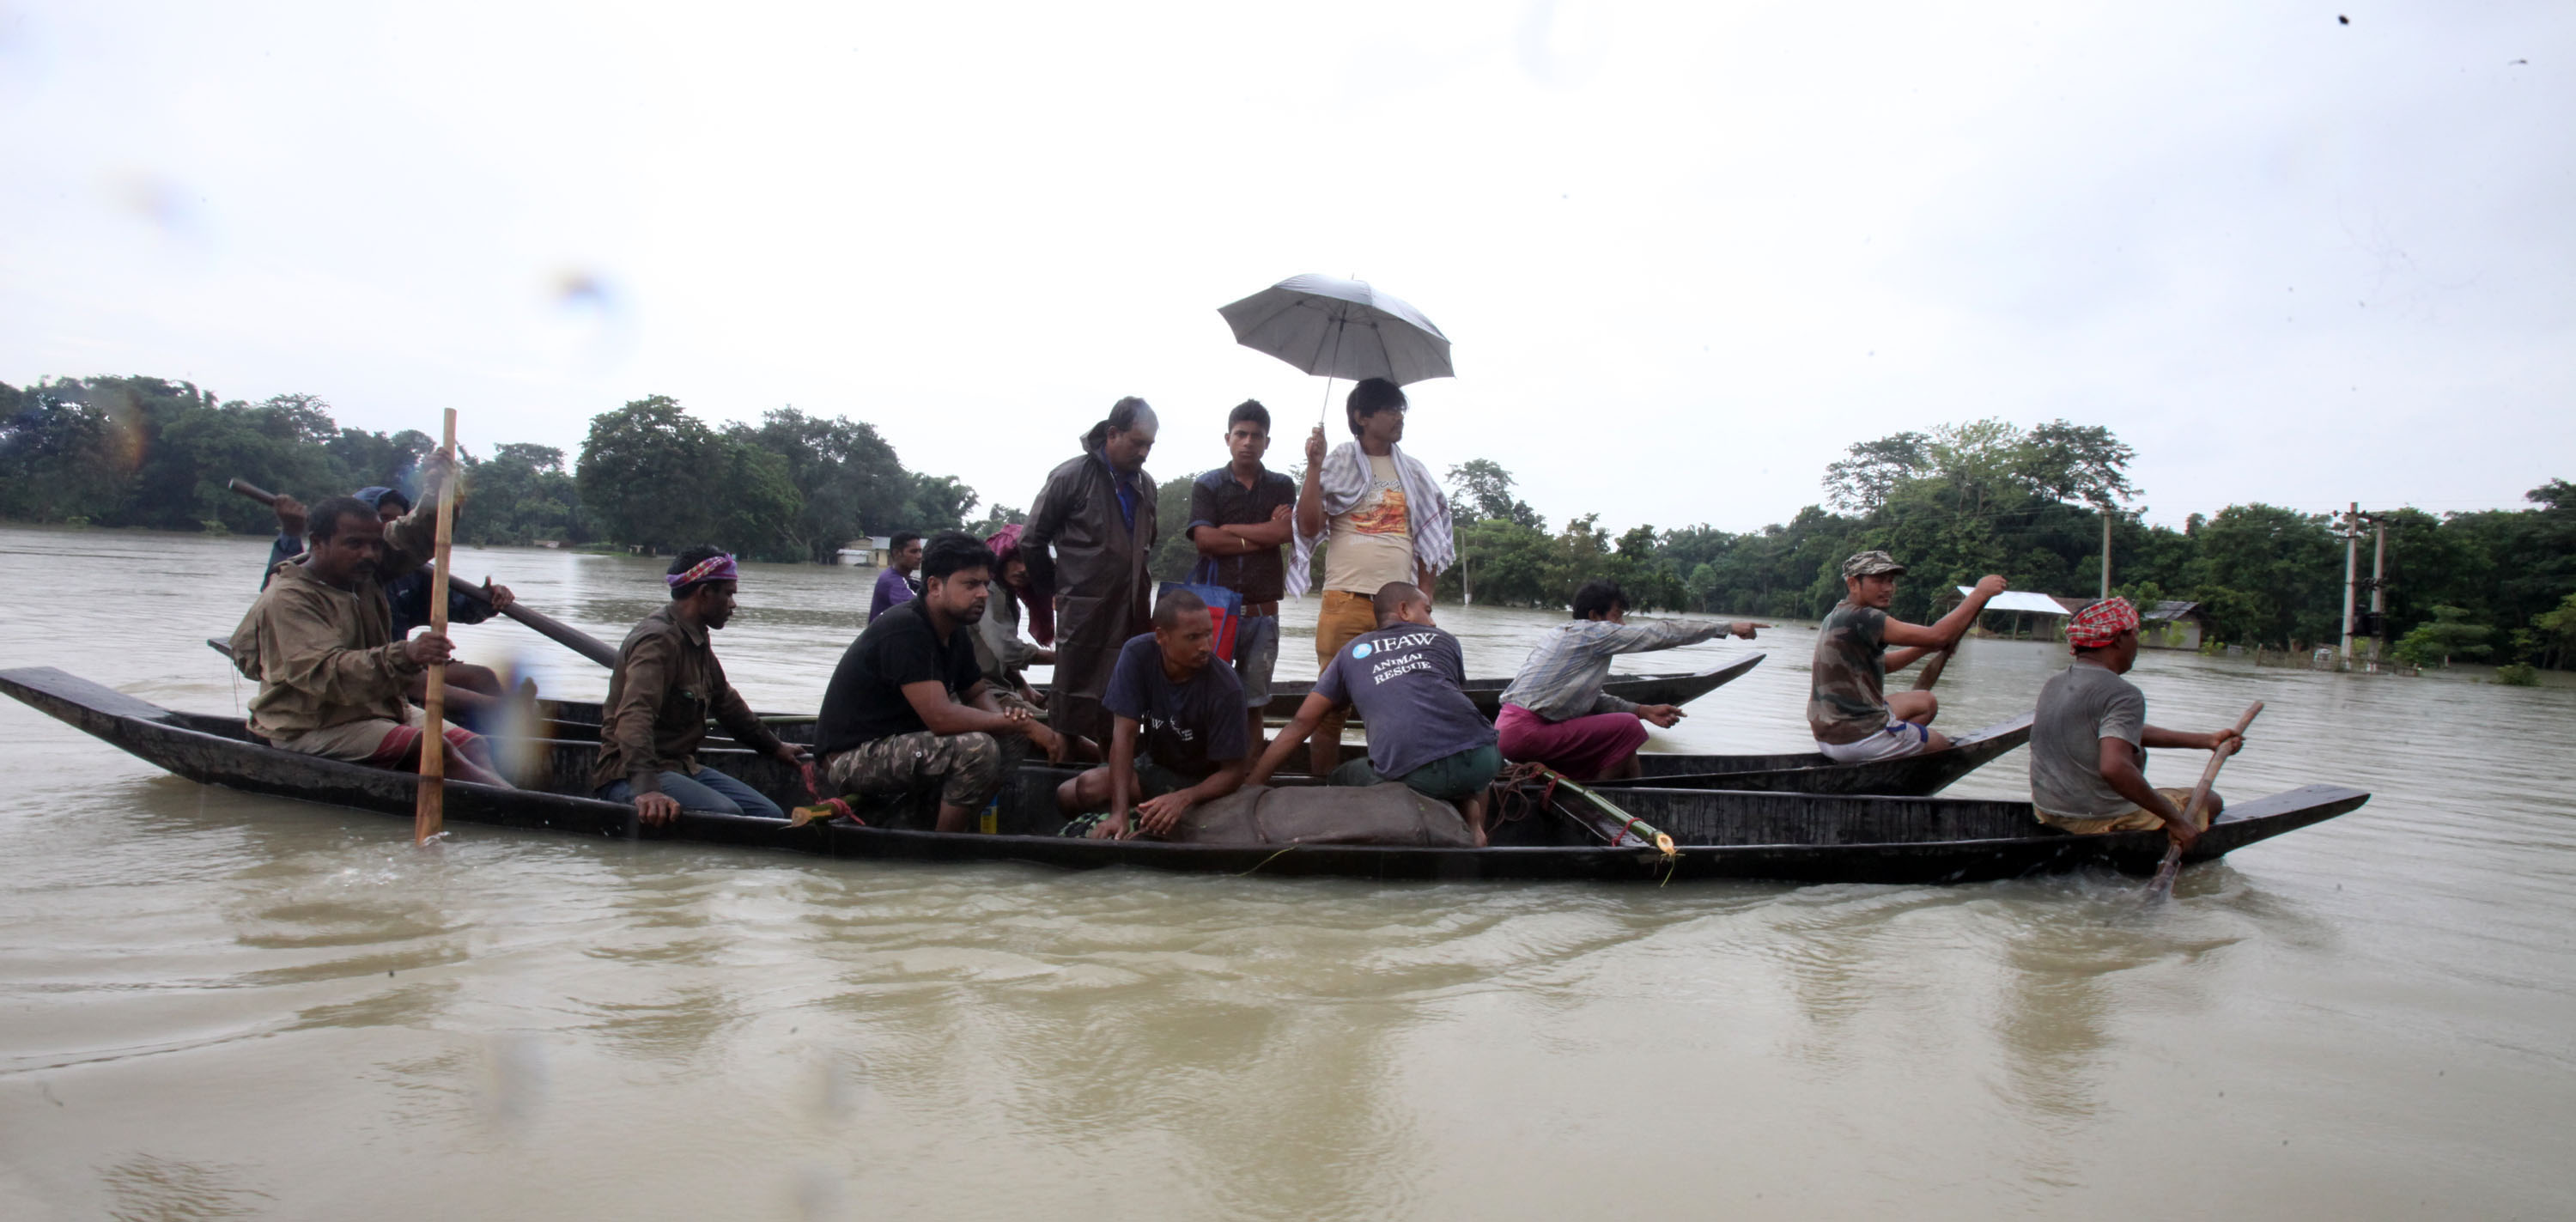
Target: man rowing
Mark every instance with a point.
(472, 691)
(332, 673)
(896, 584)
(1381, 518)
(1848, 708)
(908, 711)
(1557, 713)
(2089, 735)
(666, 685)
(1089, 537)
(1179, 738)
(1408, 679)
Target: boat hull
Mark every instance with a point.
(1723, 834)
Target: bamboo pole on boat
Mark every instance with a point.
(2162, 886)
(429, 811)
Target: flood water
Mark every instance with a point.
(216, 1004)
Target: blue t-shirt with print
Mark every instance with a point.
(1189, 727)
(1409, 683)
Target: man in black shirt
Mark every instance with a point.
(908, 708)
(1240, 518)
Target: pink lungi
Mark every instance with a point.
(1584, 748)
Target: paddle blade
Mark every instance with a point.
(2161, 887)
(428, 811)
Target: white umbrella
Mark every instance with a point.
(1340, 329)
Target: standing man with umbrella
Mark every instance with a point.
(1385, 516)
(1089, 536)
(1388, 524)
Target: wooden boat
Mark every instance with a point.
(1720, 834)
(1810, 772)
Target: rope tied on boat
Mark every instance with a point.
(1518, 779)
(823, 808)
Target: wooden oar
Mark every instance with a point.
(545, 625)
(2163, 884)
(1931, 672)
(429, 813)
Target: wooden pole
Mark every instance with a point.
(2162, 886)
(429, 812)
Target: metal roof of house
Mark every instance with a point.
(2018, 600)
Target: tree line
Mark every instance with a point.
(1954, 503)
(1987, 496)
(155, 453)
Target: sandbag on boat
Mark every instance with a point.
(1388, 814)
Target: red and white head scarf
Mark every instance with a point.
(2096, 626)
(718, 567)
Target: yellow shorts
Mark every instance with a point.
(2130, 820)
(1343, 617)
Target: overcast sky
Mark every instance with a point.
(1687, 252)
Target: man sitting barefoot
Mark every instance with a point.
(1557, 713)
(1408, 680)
(1189, 716)
(908, 710)
(320, 641)
(2087, 738)
(1848, 708)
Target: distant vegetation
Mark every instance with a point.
(1955, 503)
(154, 453)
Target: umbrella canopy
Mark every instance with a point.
(1341, 329)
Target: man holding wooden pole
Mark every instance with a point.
(331, 672)
(2089, 736)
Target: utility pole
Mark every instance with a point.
(2106, 550)
(2378, 582)
(2351, 547)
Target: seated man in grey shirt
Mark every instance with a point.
(2087, 739)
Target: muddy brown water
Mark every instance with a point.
(218, 1004)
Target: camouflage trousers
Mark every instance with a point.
(966, 768)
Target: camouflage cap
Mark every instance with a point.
(1871, 563)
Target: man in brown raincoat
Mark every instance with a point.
(320, 641)
(1090, 533)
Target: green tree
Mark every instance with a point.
(850, 483)
(520, 495)
(1871, 470)
(649, 472)
(756, 504)
(2449, 634)
(2284, 569)
(940, 502)
(1480, 488)
(2555, 631)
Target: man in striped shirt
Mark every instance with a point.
(1556, 713)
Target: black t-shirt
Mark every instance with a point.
(866, 703)
(1219, 499)
(1189, 727)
